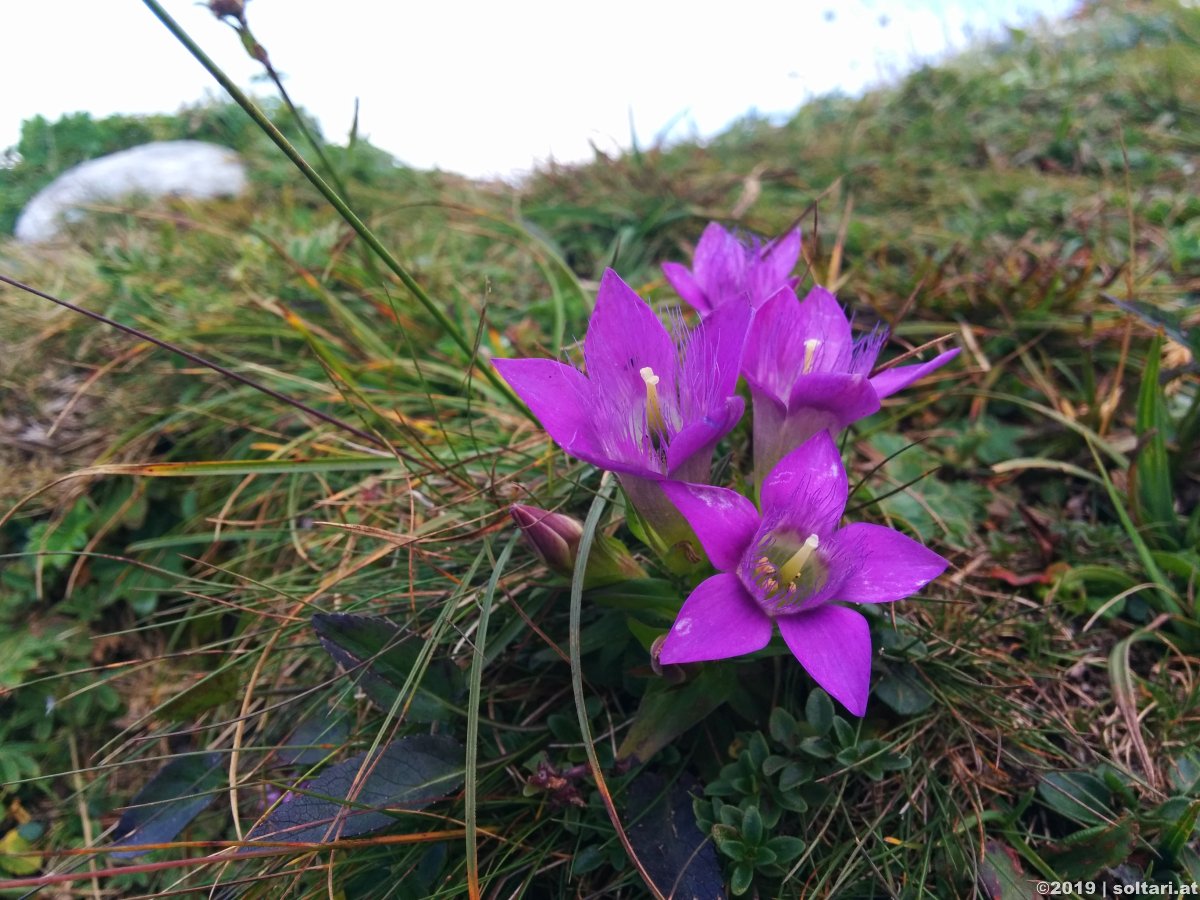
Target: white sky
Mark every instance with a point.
(486, 87)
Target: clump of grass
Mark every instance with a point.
(1033, 716)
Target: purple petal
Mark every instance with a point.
(848, 397)
(685, 286)
(624, 335)
(774, 353)
(884, 565)
(719, 265)
(834, 646)
(898, 378)
(695, 441)
(713, 355)
(776, 433)
(776, 262)
(718, 620)
(724, 520)
(559, 396)
(822, 318)
(808, 487)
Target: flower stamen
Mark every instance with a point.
(810, 352)
(654, 416)
(789, 571)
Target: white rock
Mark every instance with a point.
(166, 168)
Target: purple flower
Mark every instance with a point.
(807, 374)
(724, 269)
(651, 406)
(788, 567)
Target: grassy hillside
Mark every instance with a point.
(181, 551)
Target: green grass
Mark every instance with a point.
(1034, 712)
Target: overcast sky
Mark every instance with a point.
(486, 87)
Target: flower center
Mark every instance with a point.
(654, 416)
(810, 353)
(782, 584)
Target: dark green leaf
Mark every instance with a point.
(794, 775)
(752, 826)
(312, 742)
(1079, 796)
(407, 774)
(1154, 498)
(783, 726)
(667, 711)
(1184, 770)
(1189, 862)
(381, 656)
(586, 860)
(843, 732)
(1177, 835)
(739, 881)
(902, 689)
(210, 691)
(1000, 875)
(786, 848)
(1084, 853)
(818, 710)
(180, 791)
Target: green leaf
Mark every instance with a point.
(312, 741)
(739, 881)
(586, 860)
(774, 764)
(1177, 835)
(1000, 875)
(786, 848)
(1184, 771)
(349, 798)
(817, 747)
(209, 692)
(667, 711)
(783, 726)
(383, 657)
(726, 838)
(901, 688)
(1154, 498)
(1078, 796)
(794, 776)
(752, 826)
(1084, 853)
(1189, 862)
(181, 790)
(818, 710)
(843, 732)
(11, 845)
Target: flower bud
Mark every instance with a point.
(555, 538)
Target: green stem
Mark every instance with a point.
(268, 127)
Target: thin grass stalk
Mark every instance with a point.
(471, 776)
(262, 121)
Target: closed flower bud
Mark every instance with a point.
(555, 538)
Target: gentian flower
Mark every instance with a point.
(725, 269)
(789, 567)
(650, 407)
(807, 374)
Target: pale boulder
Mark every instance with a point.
(191, 169)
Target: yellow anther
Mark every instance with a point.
(654, 416)
(792, 568)
(810, 353)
